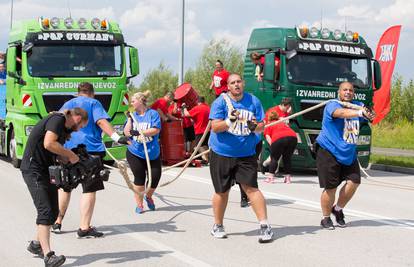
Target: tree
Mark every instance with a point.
(200, 77)
(159, 81)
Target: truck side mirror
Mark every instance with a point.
(16, 77)
(269, 67)
(377, 75)
(289, 54)
(133, 61)
(27, 47)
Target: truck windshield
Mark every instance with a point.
(74, 61)
(328, 70)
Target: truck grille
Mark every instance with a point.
(54, 101)
(314, 115)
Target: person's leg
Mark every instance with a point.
(275, 153)
(219, 203)
(155, 176)
(43, 233)
(327, 200)
(64, 199)
(257, 202)
(87, 205)
(138, 168)
(346, 193)
(289, 148)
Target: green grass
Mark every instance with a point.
(394, 161)
(397, 135)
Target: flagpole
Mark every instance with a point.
(11, 14)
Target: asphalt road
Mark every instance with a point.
(379, 233)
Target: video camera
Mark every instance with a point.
(89, 167)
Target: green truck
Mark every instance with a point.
(47, 59)
(313, 63)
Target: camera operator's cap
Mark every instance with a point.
(286, 101)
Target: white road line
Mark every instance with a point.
(312, 204)
(157, 245)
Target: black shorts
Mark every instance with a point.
(198, 138)
(139, 169)
(95, 184)
(331, 173)
(225, 171)
(44, 195)
(189, 134)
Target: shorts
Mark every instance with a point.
(225, 171)
(198, 138)
(189, 134)
(44, 195)
(139, 169)
(331, 173)
(95, 184)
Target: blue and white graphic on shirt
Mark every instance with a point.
(233, 143)
(150, 119)
(339, 136)
(239, 127)
(91, 134)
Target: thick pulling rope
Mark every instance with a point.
(185, 161)
(191, 157)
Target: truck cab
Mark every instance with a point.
(47, 59)
(311, 65)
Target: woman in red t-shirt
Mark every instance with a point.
(219, 79)
(282, 140)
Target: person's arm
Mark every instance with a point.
(219, 126)
(50, 143)
(128, 127)
(346, 113)
(186, 113)
(171, 117)
(268, 139)
(151, 132)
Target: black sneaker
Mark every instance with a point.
(56, 228)
(91, 232)
(244, 202)
(339, 217)
(327, 223)
(35, 249)
(51, 260)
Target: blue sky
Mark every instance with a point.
(153, 25)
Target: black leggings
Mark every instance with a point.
(283, 147)
(139, 168)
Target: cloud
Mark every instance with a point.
(401, 11)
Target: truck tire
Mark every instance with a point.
(12, 152)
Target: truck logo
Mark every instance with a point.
(331, 48)
(326, 94)
(76, 36)
(386, 52)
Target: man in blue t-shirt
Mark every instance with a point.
(236, 117)
(91, 136)
(3, 74)
(336, 158)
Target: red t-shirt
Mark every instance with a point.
(277, 109)
(162, 104)
(220, 81)
(186, 121)
(279, 131)
(200, 115)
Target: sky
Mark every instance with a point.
(153, 26)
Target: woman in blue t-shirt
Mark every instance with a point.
(145, 127)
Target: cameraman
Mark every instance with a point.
(45, 142)
(91, 136)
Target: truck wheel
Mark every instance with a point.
(12, 152)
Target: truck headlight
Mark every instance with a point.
(28, 129)
(364, 140)
(119, 129)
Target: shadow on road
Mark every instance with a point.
(115, 257)
(158, 227)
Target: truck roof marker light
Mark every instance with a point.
(125, 100)
(82, 23)
(68, 23)
(337, 35)
(355, 37)
(349, 36)
(45, 23)
(325, 33)
(314, 32)
(304, 31)
(104, 24)
(54, 22)
(96, 23)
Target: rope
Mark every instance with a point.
(184, 161)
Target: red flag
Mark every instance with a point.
(386, 55)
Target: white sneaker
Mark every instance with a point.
(218, 231)
(265, 233)
(267, 162)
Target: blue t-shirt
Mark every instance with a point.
(339, 136)
(91, 134)
(237, 141)
(150, 119)
(3, 76)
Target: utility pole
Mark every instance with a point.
(11, 14)
(181, 59)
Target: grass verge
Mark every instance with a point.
(393, 161)
(396, 135)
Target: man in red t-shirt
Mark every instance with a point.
(219, 79)
(161, 105)
(200, 114)
(188, 128)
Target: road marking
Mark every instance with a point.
(157, 245)
(312, 204)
